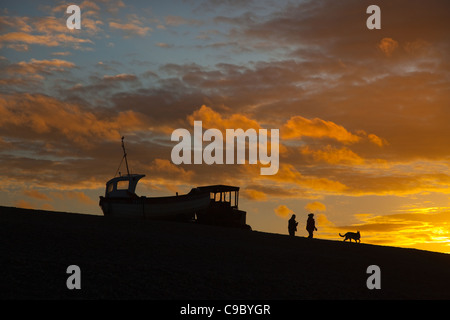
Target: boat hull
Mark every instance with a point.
(181, 207)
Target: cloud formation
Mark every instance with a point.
(315, 206)
(388, 46)
(50, 118)
(283, 211)
(298, 127)
(134, 26)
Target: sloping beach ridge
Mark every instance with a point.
(140, 259)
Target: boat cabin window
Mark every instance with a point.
(230, 197)
(110, 187)
(122, 185)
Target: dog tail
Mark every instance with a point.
(342, 235)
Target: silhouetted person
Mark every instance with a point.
(310, 225)
(292, 226)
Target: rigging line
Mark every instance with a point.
(125, 155)
(120, 164)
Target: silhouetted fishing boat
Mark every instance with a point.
(120, 200)
(214, 205)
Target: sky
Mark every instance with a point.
(363, 115)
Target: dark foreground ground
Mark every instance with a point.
(124, 259)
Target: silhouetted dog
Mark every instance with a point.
(352, 235)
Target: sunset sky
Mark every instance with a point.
(364, 115)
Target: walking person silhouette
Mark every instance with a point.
(292, 226)
(311, 225)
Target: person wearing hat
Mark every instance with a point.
(310, 225)
(292, 226)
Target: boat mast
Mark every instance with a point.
(125, 155)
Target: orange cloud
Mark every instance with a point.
(27, 73)
(297, 127)
(388, 46)
(165, 167)
(133, 26)
(28, 39)
(213, 119)
(35, 66)
(120, 77)
(283, 211)
(48, 206)
(323, 221)
(166, 175)
(130, 28)
(49, 30)
(315, 206)
(377, 140)
(45, 40)
(23, 204)
(36, 195)
(41, 114)
(50, 24)
(19, 23)
(254, 194)
(289, 174)
(79, 196)
(333, 155)
(418, 46)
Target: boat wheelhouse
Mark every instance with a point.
(223, 208)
